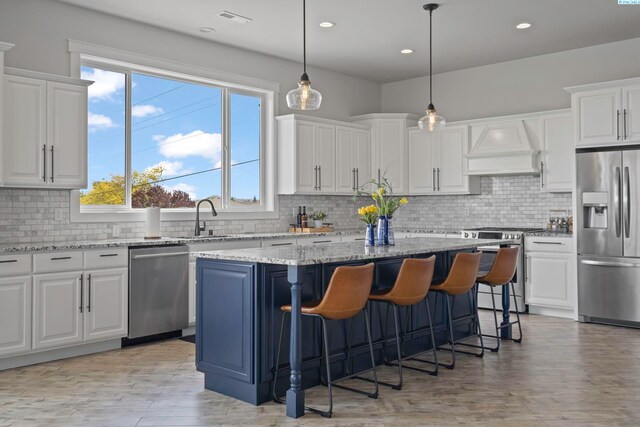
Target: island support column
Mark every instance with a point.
(506, 327)
(295, 394)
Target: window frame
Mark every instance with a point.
(83, 54)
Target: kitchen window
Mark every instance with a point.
(158, 138)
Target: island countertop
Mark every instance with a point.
(341, 252)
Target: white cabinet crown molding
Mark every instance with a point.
(603, 85)
(4, 46)
(373, 116)
(46, 76)
(320, 120)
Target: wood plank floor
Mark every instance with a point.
(563, 374)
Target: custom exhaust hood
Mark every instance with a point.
(501, 148)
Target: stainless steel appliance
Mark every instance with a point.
(158, 290)
(488, 256)
(608, 233)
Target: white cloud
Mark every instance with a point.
(171, 168)
(158, 138)
(106, 83)
(99, 121)
(196, 143)
(145, 110)
(187, 188)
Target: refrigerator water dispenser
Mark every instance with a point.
(595, 209)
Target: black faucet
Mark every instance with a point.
(213, 212)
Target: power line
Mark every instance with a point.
(159, 95)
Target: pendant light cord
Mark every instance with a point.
(431, 56)
(304, 35)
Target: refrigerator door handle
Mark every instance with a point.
(626, 202)
(616, 191)
(610, 264)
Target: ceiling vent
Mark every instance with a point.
(234, 17)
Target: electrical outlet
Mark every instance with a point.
(467, 211)
(58, 214)
(115, 230)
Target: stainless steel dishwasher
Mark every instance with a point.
(158, 290)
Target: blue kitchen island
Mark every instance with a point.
(238, 297)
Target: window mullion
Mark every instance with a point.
(226, 150)
(127, 155)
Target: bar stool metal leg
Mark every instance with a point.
(373, 395)
(434, 371)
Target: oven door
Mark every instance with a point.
(484, 293)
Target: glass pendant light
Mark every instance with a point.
(304, 97)
(432, 120)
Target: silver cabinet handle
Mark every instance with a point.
(610, 264)
(616, 200)
(357, 178)
(60, 258)
(626, 202)
(160, 255)
(353, 179)
(8, 261)
(434, 179)
(81, 292)
(89, 295)
(281, 244)
(438, 169)
(52, 163)
(625, 124)
(107, 255)
(320, 178)
(379, 180)
(322, 241)
(548, 243)
(315, 186)
(542, 174)
(44, 163)
(618, 124)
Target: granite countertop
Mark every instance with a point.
(340, 252)
(549, 233)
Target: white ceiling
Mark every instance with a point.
(369, 34)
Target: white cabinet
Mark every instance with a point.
(44, 132)
(105, 305)
(558, 155)
(15, 315)
(3, 48)
(550, 284)
(58, 309)
(436, 162)
(353, 159)
(606, 113)
(325, 158)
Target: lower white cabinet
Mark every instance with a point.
(57, 302)
(550, 282)
(106, 298)
(15, 315)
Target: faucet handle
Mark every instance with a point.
(202, 227)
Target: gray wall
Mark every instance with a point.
(40, 29)
(521, 86)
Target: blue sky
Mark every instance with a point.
(176, 125)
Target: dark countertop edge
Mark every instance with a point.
(376, 252)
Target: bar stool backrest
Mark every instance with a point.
(413, 281)
(503, 268)
(463, 274)
(347, 293)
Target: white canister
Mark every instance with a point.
(152, 223)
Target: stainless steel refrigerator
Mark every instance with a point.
(608, 234)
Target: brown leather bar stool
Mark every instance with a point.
(461, 280)
(411, 287)
(501, 274)
(345, 298)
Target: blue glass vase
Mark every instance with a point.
(383, 231)
(370, 236)
(392, 237)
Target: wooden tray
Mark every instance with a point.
(311, 230)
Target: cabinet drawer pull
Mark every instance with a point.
(322, 241)
(60, 258)
(107, 255)
(281, 244)
(89, 296)
(548, 243)
(358, 239)
(8, 261)
(52, 163)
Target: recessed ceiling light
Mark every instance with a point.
(234, 17)
(523, 26)
(206, 29)
(327, 24)
(406, 51)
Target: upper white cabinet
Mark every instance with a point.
(311, 155)
(606, 113)
(436, 162)
(45, 131)
(388, 147)
(557, 160)
(3, 48)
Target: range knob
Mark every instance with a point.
(517, 236)
(466, 235)
(511, 236)
(473, 235)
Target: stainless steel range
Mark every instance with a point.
(489, 254)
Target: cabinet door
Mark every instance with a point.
(598, 117)
(305, 152)
(390, 156)
(550, 278)
(24, 132)
(422, 169)
(67, 135)
(362, 153)
(15, 315)
(345, 162)
(326, 158)
(631, 120)
(451, 151)
(57, 309)
(192, 293)
(106, 304)
(558, 155)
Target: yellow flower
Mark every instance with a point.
(404, 201)
(373, 209)
(361, 211)
(381, 191)
(374, 195)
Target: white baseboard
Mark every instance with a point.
(567, 313)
